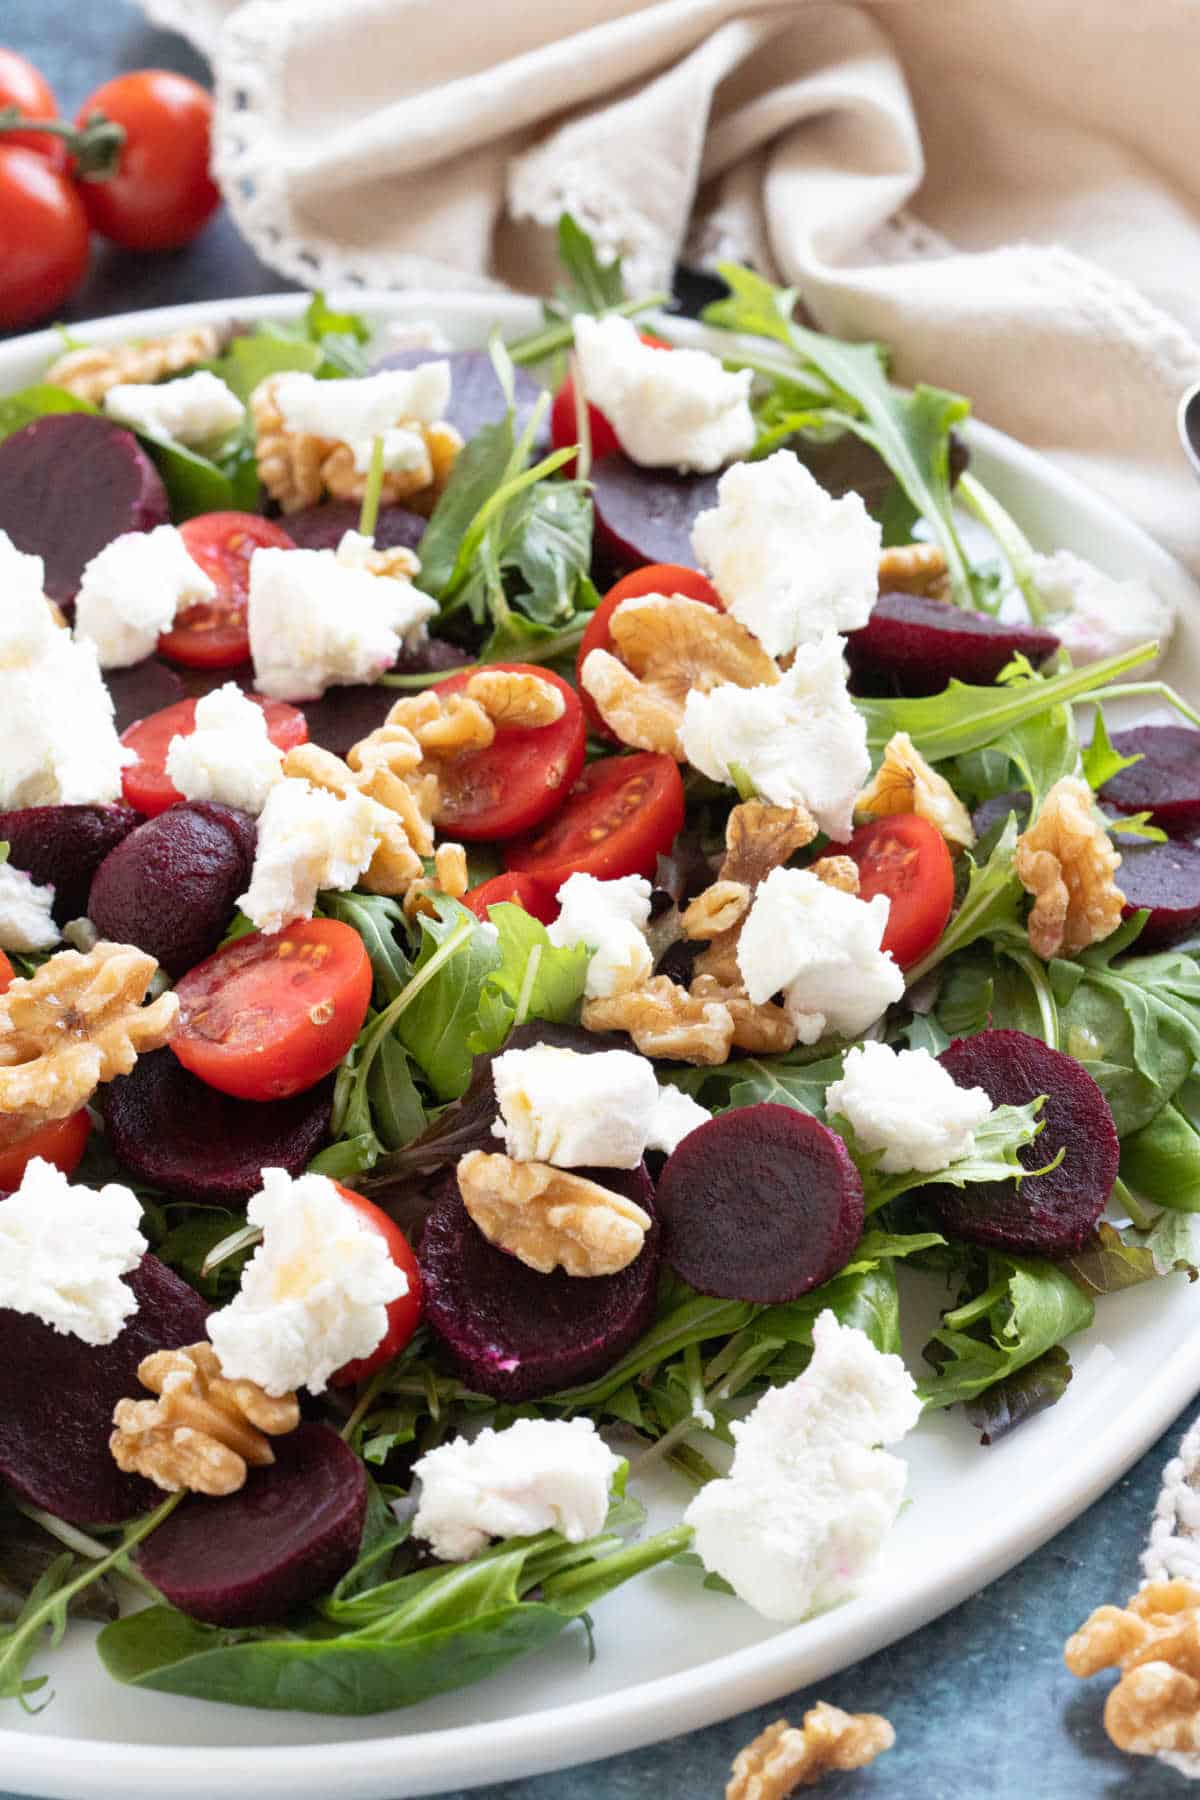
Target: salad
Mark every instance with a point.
(547, 894)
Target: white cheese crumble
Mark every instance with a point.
(58, 742)
(906, 1104)
(802, 742)
(574, 1109)
(810, 1497)
(675, 1117)
(26, 918)
(1094, 614)
(314, 1295)
(536, 1475)
(63, 1251)
(610, 917)
(669, 408)
(316, 623)
(131, 591)
(821, 947)
(194, 409)
(789, 561)
(228, 756)
(356, 412)
(308, 840)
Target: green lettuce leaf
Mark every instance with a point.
(1028, 1306)
(437, 1026)
(534, 978)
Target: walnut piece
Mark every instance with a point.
(443, 725)
(781, 1759)
(298, 469)
(511, 698)
(837, 872)
(764, 1030)
(449, 877)
(719, 908)
(760, 837)
(905, 783)
(396, 863)
(914, 569)
(74, 1023)
(203, 1431)
(1067, 861)
(665, 647)
(664, 1020)
(396, 564)
(1155, 1641)
(551, 1218)
(90, 372)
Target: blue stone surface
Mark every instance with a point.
(980, 1700)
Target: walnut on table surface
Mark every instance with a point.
(551, 1218)
(905, 783)
(203, 1431)
(92, 370)
(1067, 861)
(298, 468)
(1155, 1642)
(782, 1758)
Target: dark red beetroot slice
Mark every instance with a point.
(476, 397)
(646, 515)
(345, 714)
(65, 845)
(171, 887)
(145, 688)
(1166, 783)
(1044, 1215)
(324, 526)
(912, 645)
(760, 1204)
(176, 1133)
(264, 1552)
(996, 810)
(514, 1334)
(57, 1396)
(69, 484)
(1166, 879)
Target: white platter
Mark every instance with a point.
(670, 1657)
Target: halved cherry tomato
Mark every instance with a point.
(655, 578)
(213, 634)
(404, 1314)
(6, 971)
(623, 813)
(264, 1017)
(62, 1143)
(521, 778)
(162, 193)
(23, 86)
(564, 423)
(520, 890)
(43, 237)
(144, 783)
(905, 857)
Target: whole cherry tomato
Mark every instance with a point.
(43, 237)
(162, 193)
(23, 86)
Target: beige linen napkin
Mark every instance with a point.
(1005, 191)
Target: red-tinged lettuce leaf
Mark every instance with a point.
(1000, 1409)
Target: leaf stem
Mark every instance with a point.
(540, 344)
(368, 517)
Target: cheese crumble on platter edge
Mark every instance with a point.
(729, 1630)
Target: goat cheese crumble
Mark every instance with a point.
(356, 412)
(821, 947)
(536, 1475)
(131, 591)
(610, 917)
(1094, 614)
(308, 840)
(601, 1110)
(906, 1104)
(227, 756)
(63, 1251)
(802, 742)
(26, 912)
(810, 1497)
(314, 1295)
(676, 1116)
(669, 408)
(790, 562)
(194, 409)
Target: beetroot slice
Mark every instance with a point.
(175, 1133)
(1044, 1215)
(262, 1553)
(514, 1334)
(144, 688)
(912, 645)
(1166, 879)
(57, 1396)
(323, 527)
(65, 845)
(345, 714)
(1166, 783)
(476, 397)
(69, 484)
(760, 1204)
(171, 886)
(646, 515)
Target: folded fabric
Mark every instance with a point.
(1007, 192)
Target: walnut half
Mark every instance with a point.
(781, 1759)
(203, 1431)
(1067, 861)
(1155, 1641)
(663, 1019)
(551, 1218)
(905, 783)
(89, 372)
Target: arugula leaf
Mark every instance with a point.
(480, 469)
(28, 1555)
(789, 1080)
(377, 920)
(534, 978)
(590, 285)
(436, 1027)
(1028, 1306)
(1100, 761)
(397, 1115)
(340, 336)
(994, 1157)
(1000, 1409)
(990, 905)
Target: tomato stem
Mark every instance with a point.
(95, 146)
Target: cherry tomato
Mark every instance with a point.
(61, 1142)
(144, 783)
(522, 776)
(6, 972)
(905, 857)
(162, 193)
(265, 1017)
(520, 890)
(564, 423)
(23, 86)
(404, 1314)
(624, 812)
(43, 237)
(213, 634)
(655, 578)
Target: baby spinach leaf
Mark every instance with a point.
(1161, 1162)
(1028, 1306)
(479, 471)
(30, 403)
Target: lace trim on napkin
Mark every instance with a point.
(1173, 1549)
